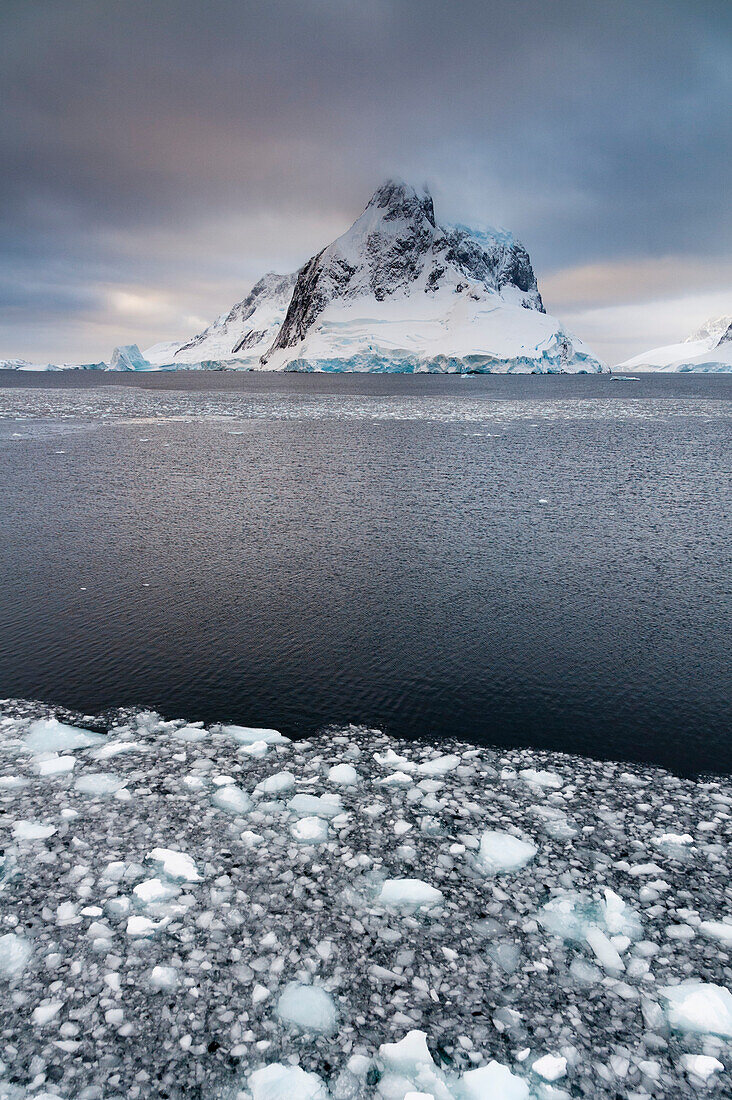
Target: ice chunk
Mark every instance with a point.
(15, 951)
(154, 890)
(276, 784)
(699, 1007)
(551, 1067)
(607, 955)
(164, 977)
(99, 784)
(308, 1007)
(50, 735)
(324, 805)
(176, 865)
(281, 1082)
(45, 1013)
(717, 930)
(53, 764)
(503, 852)
(32, 830)
(142, 926)
(343, 774)
(408, 893)
(492, 1082)
(409, 1052)
(310, 830)
(232, 799)
(248, 735)
(439, 765)
(542, 778)
(701, 1065)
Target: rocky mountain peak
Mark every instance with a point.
(400, 200)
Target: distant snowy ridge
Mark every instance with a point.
(396, 293)
(707, 351)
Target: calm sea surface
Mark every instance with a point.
(515, 561)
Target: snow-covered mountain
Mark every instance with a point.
(707, 351)
(396, 293)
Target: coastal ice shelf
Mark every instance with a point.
(707, 351)
(396, 293)
(222, 913)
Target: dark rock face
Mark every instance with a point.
(726, 336)
(395, 243)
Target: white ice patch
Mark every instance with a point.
(717, 930)
(232, 799)
(53, 764)
(345, 775)
(324, 805)
(15, 952)
(280, 1082)
(408, 893)
(439, 765)
(176, 865)
(99, 784)
(308, 1008)
(153, 891)
(542, 778)
(50, 735)
(501, 853)
(32, 830)
(276, 784)
(701, 1065)
(248, 735)
(310, 830)
(699, 1007)
(164, 977)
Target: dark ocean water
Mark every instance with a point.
(515, 561)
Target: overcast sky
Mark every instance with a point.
(157, 156)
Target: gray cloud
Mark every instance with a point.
(174, 149)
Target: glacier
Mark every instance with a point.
(296, 940)
(706, 351)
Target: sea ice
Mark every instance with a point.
(408, 893)
(280, 1082)
(701, 1065)
(324, 805)
(503, 852)
(308, 1007)
(32, 830)
(232, 799)
(248, 735)
(276, 784)
(310, 830)
(176, 865)
(345, 775)
(164, 977)
(491, 1082)
(50, 735)
(15, 951)
(700, 1007)
(53, 764)
(99, 784)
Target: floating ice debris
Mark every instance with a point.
(99, 784)
(717, 930)
(439, 765)
(176, 865)
(701, 1065)
(53, 764)
(310, 830)
(343, 774)
(408, 893)
(164, 977)
(551, 1067)
(276, 784)
(185, 956)
(248, 735)
(324, 805)
(503, 852)
(280, 1082)
(15, 952)
(307, 1007)
(44, 1013)
(542, 778)
(154, 890)
(700, 1007)
(232, 799)
(32, 830)
(191, 734)
(50, 735)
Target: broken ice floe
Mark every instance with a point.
(229, 914)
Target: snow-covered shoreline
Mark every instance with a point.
(221, 912)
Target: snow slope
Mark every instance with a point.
(707, 351)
